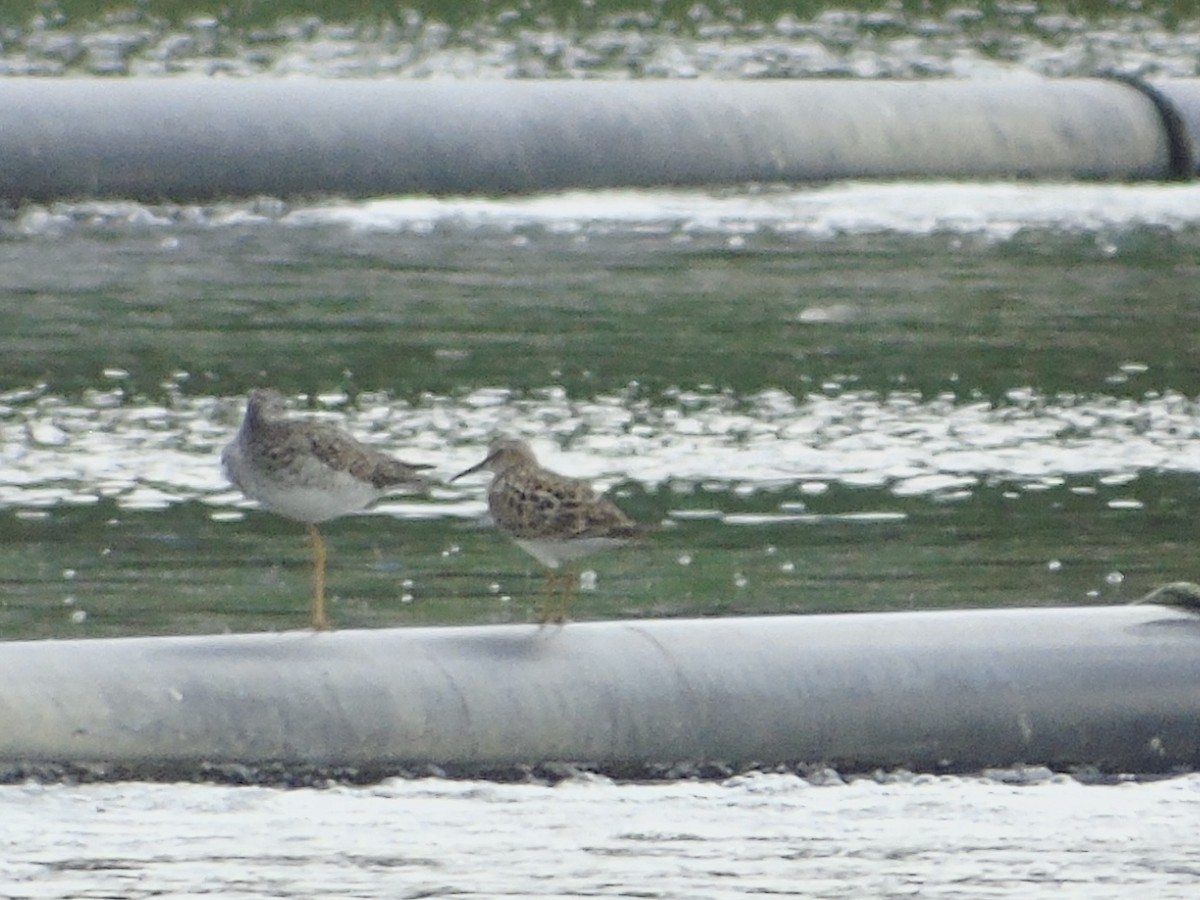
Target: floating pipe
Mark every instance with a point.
(1113, 687)
(194, 139)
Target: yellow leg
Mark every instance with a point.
(547, 613)
(570, 581)
(320, 620)
(560, 584)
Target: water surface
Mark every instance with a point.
(835, 398)
(1007, 834)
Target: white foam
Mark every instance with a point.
(994, 210)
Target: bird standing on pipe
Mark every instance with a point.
(553, 518)
(311, 472)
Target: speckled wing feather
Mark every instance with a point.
(343, 453)
(532, 504)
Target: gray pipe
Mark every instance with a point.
(1117, 688)
(1178, 103)
(197, 139)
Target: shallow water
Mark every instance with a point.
(844, 397)
(1023, 833)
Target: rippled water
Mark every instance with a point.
(1009, 834)
(845, 397)
(152, 457)
(548, 39)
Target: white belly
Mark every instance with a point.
(313, 493)
(553, 553)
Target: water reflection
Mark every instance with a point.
(147, 456)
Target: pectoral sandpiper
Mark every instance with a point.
(309, 471)
(554, 518)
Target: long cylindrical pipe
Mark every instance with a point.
(1117, 688)
(198, 139)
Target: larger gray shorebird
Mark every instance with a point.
(553, 518)
(309, 471)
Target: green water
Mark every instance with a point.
(179, 572)
(318, 309)
(1061, 351)
(610, 38)
(178, 314)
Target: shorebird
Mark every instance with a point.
(309, 471)
(553, 518)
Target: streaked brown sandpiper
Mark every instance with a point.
(553, 518)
